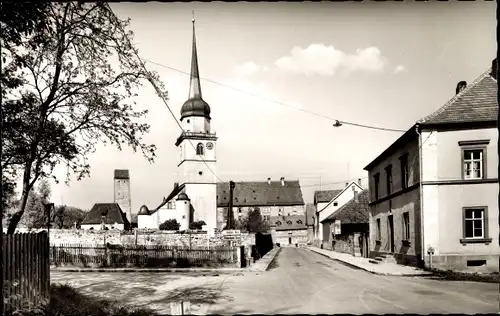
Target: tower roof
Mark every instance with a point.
(195, 105)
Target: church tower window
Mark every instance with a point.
(200, 150)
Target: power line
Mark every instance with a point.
(282, 103)
(158, 91)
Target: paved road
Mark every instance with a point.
(303, 282)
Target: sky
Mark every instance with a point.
(265, 65)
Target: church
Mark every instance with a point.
(199, 197)
(195, 198)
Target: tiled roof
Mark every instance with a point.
(121, 174)
(111, 211)
(310, 210)
(260, 194)
(292, 222)
(325, 196)
(353, 212)
(476, 103)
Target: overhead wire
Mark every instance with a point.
(281, 103)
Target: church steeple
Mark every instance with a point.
(195, 105)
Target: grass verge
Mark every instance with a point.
(66, 300)
(450, 275)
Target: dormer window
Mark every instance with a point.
(200, 150)
(335, 203)
(289, 222)
(299, 222)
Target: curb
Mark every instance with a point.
(372, 272)
(265, 261)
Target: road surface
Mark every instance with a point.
(302, 282)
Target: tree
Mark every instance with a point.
(170, 224)
(197, 225)
(66, 216)
(253, 223)
(72, 86)
(36, 216)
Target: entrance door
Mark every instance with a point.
(391, 232)
(289, 240)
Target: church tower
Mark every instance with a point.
(197, 147)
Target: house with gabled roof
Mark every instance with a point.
(272, 198)
(353, 229)
(105, 216)
(327, 203)
(434, 191)
(289, 230)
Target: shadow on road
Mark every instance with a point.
(195, 295)
(236, 311)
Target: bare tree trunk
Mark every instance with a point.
(14, 220)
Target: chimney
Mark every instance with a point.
(359, 181)
(176, 185)
(268, 180)
(494, 68)
(164, 199)
(347, 183)
(460, 86)
(282, 181)
(356, 196)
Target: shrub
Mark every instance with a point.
(170, 224)
(197, 225)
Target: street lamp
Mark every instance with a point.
(337, 123)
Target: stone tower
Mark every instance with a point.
(197, 148)
(122, 192)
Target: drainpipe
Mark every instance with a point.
(422, 240)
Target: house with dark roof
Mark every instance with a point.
(348, 226)
(289, 230)
(326, 203)
(272, 198)
(434, 191)
(105, 216)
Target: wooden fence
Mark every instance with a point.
(26, 272)
(158, 256)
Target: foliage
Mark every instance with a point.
(197, 225)
(67, 86)
(66, 216)
(253, 222)
(170, 224)
(66, 300)
(35, 213)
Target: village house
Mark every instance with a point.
(272, 198)
(434, 191)
(105, 216)
(289, 230)
(326, 203)
(351, 233)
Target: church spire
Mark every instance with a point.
(194, 86)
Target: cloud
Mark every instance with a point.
(249, 68)
(327, 60)
(399, 69)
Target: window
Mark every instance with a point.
(199, 149)
(406, 226)
(378, 229)
(474, 223)
(404, 171)
(376, 180)
(473, 163)
(474, 158)
(388, 175)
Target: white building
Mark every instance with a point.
(196, 198)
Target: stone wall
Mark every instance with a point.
(144, 237)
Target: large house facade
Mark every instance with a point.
(434, 191)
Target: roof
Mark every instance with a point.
(353, 212)
(341, 191)
(112, 212)
(121, 174)
(292, 222)
(310, 210)
(476, 103)
(260, 194)
(325, 196)
(176, 190)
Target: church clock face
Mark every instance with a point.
(210, 146)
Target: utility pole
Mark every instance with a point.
(230, 217)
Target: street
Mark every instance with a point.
(301, 282)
